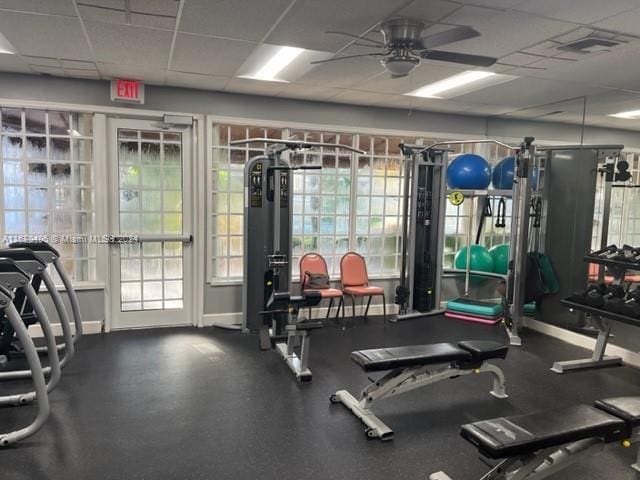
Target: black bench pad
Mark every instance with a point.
(626, 408)
(484, 350)
(378, 359)
(526, 434)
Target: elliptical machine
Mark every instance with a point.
(268, 306)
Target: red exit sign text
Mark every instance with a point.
(130, 91)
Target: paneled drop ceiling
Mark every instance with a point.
(203, 43)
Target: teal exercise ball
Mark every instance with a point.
(481, 260)
(500, 256)
(469, 172)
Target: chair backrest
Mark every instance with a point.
(353, 270)
(311, 262)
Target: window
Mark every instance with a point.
(48, 181)
(378, 209)
(227, 197)
(624, 219)
(354, 203)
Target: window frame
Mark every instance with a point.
(212, 120)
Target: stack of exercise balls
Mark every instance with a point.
(472, 172)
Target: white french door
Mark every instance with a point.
(150, 213)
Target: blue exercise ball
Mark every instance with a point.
(502, 178)
(469, 172)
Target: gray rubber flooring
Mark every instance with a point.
(207, 404)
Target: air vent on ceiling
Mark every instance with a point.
(589, 45)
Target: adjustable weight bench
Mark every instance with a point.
(537, 445)
(410, 369)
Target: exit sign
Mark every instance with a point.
(129, 91)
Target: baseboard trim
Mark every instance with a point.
(233, 320)
(629, 357)
(88, 328)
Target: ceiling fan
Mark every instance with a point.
(403, 46)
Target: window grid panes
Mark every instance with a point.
(324, 203)
(150, 189)
(48, 182)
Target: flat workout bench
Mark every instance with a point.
(536, 445)
(410, 370)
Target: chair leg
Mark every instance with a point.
(330, 305)
(366, 311)
(342, 302)
(384, 309)
(353, 307)
(309, 313)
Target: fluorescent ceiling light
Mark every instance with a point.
(461, 83)
(278, 63)
(5, 46)
(631, 114)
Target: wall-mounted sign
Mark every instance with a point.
(129, 91)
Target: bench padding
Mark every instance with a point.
(526, 434)
(626, 408)
(379, 359)
(484, 350)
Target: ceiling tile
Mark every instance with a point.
(355, 97)
(45, 36)
(66, 64)
(431, 11)
(133, 72)
(155, 21)
(13, 63)
(81, 73)
(108, 15)
(114, 44)
(503, 32)
(255, 87)
(587, 11)
(308, 92)
(342, 73)
(619, 68)
(207, 55)
(192, 80)
(519, 59)
(51, 7)
(628, 22)
(119, 4)
(306, 23)
(225, 18)
(155, 7)
(492, 3)
(550, 63)
(524, 92)
(42, 61)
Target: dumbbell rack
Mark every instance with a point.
(601, 320)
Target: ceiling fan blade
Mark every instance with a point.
(376, 42)
(449, 36)
(349, 56)
(454, 57)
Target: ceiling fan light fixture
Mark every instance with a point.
(400, 64)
